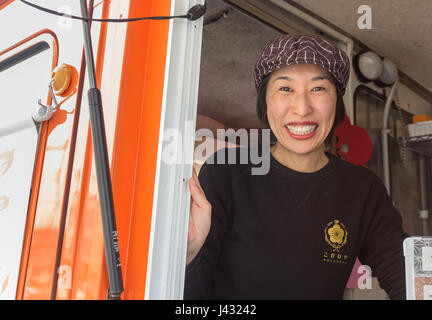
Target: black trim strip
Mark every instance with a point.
(24, 55)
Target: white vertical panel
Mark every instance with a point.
(20, 87)
(17, 153)
(113, 66)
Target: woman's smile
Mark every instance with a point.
(301, 130)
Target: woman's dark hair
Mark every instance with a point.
(262, 110)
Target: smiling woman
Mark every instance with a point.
(297, 88)
(301, 107)
(294, 232)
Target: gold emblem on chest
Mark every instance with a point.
(335, 234)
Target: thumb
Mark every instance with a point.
(197, 193)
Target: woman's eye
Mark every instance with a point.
(318, 89)
(286, 89)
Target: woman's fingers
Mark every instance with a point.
(199, 218)
(197, 193)
(196, 180)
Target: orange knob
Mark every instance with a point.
(62, 76)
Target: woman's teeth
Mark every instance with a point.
(301, 129)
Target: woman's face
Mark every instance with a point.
(301, 105)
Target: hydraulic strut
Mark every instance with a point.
(102, 169)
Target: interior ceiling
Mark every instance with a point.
(401, 30)
(232, 42)
(230, 48)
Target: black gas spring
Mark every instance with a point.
(102, 169)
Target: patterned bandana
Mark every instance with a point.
(287, 49)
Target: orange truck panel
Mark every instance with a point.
(63, 250)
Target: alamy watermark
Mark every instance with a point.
(175, 143)
(365, 280)
(64, 23)
(365, 20)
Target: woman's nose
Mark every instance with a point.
(302, 105)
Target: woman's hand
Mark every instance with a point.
(199, 218)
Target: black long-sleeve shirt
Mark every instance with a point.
(292, 235)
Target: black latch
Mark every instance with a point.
(196, 12)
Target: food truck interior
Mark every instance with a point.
(233, 35)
